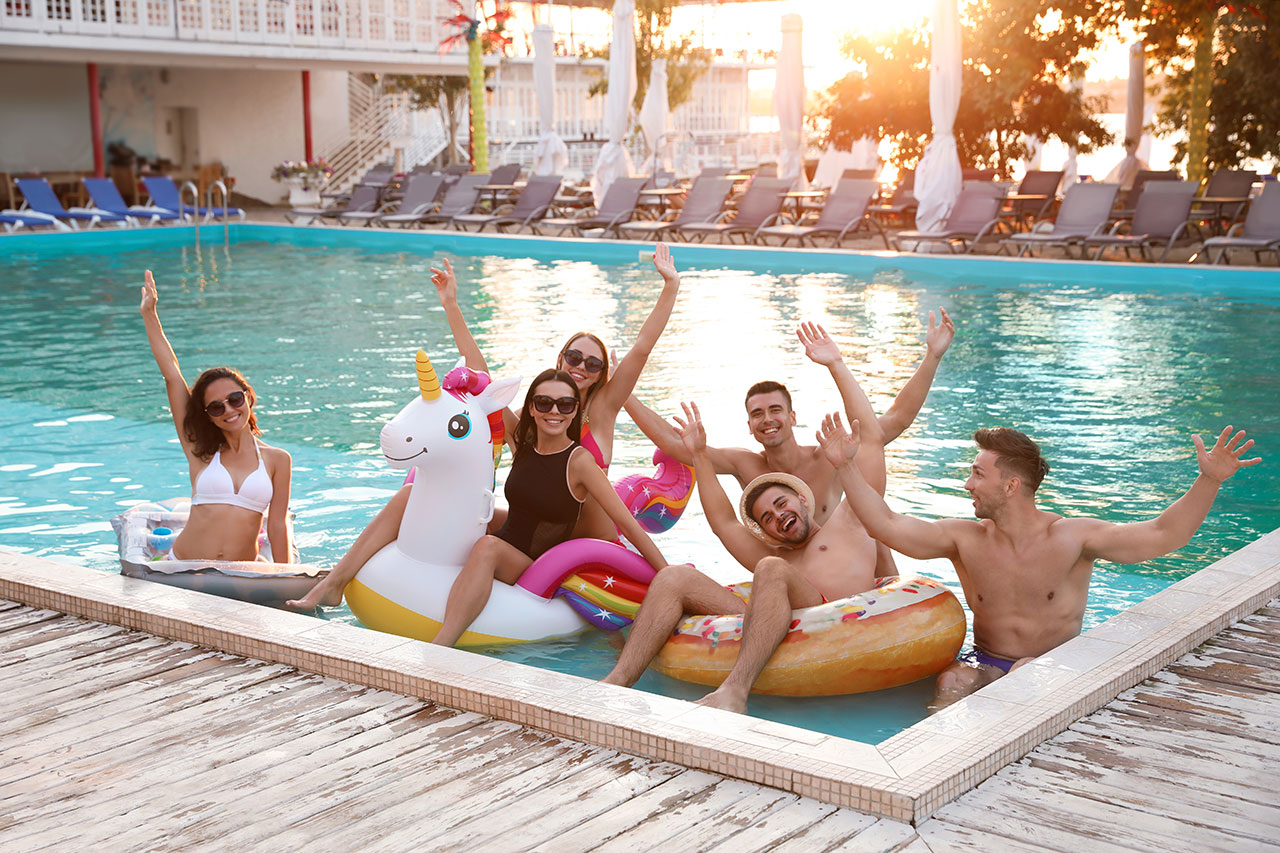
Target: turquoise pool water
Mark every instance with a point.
(1111, 377)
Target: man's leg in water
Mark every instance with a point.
(379, 533)
(962, 678)
(676, 591)
(776, 590)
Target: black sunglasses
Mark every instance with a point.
(543, 403)
(573, 358)
(235, 399)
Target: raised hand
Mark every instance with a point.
(663, 264)
(818, 345)
(445, 281)
(1223, 459)
(149, 297)
(837, 445)
(690, 428)
(939, 336)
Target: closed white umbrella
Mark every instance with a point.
(551, 154)
(788, 100)
(1071, 169)
(1127, 169)
(938, 177)
(654, 114)
(614, 161)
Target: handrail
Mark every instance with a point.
(226, 208)
(195, 206)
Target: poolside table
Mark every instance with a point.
(506, 189)
(1017, 213)
(660, 195)
(1199, 210)
(800, 196)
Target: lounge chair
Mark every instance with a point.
(364, 198)
(505, 175)
(1040, 189)
(457, 169)
(976, 215)
(534, 203)
(165, 195)
(858, 174)
(714, 172)
(41, 198)
(1130, 200)
(704, 203)
(1224, 183)
(1260, 231)
(619, 206)
(1160, 218)
(15, 220)
(419, 197)
(460, 198)
(843, 213)
(1085, 210)
(901, 204)
(106, 196)
(378, 177)
(759, 206)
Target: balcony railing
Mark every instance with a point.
(396, 25)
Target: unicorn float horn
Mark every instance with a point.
(428, 382)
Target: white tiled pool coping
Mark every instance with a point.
(906, 777)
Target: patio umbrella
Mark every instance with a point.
(938, 177)
(614, 161)
(1127, 169)
(551, 155)
(1071, 169)
(788, 101)
(653, 115)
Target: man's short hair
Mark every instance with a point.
(1016, 454)
(767, 387)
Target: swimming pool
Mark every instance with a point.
(1111, 377)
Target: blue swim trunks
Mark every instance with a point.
(978, 656)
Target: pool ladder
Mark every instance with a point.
(208, 203)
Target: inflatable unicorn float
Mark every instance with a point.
(451, 434)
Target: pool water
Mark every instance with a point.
(1111, 380)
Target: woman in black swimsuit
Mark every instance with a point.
(551, 476)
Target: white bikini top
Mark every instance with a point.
(214, 486)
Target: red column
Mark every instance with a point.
(306, 112)
(95, 120)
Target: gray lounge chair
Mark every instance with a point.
(1042, 186)
(1259, 233)
(534, 203)
(363, 198)
(419, 196)
(1224, 183)
(901, 204)
(1160, 218)
(1130, 200)
(704, 203)
(843, 213)
(459, 199)
(1085, 210)
(619, 206)
(758, 207)
(976, 215)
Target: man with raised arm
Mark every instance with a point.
(772, 421)
(1025, 571)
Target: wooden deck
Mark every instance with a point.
(116, 738)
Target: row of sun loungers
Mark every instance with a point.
(44, 210)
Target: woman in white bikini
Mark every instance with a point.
(235, 478)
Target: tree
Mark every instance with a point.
(685, 62)
(1223, 79)
(1019, 56)
(492, 38)
(432, 92)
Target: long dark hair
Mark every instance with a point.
(205, 436)
(604, 373)
(526, 432)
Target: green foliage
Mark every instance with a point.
(429, 92)
(1018, 59)
(685, 62)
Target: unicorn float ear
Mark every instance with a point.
(428, 382)
(499, 394)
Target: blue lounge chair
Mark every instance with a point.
(41, 198)
(164, 194)
(107, 197)
(13, 220)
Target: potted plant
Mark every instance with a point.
(304, 179)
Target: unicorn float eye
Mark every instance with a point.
(459, 426)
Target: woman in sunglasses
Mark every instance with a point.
(551, 478)
(235, 478)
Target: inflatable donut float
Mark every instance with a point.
(903, 630)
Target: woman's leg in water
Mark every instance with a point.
(379, 533)
(490, 559)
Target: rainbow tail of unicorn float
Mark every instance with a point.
(657, 502)
(602, 581)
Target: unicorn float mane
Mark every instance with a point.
(462, 382)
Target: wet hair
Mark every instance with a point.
(604, 373)
(767, 387)
(205, 436)
(526, 432)
(749, 502)
(1016, 455)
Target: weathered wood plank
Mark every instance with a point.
(942, 836)
(41, 632)
(1229, 666)
(768, 832)
(850, 830)
(12, 619)
(113, 664)
(671, 822)
(590, 834)
(752, 810)
(57, 645)
(1193, 708)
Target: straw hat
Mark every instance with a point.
(778, 478)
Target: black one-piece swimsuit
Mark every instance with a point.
(542, 510)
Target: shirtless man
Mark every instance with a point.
(772, 422)
(1025, 571)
